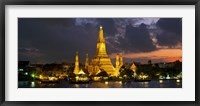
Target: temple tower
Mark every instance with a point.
(121, 60)
(101, 61)
(117, 64)
(101, 46)
(76, 68)
(133, 68)
(86, 61)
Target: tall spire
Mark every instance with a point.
(86, 61)
(121, 60)
(117, 62)
(101, 46)
(76, 68)
(101, 37)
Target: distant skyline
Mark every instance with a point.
(48, 40)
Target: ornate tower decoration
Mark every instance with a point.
(86, 61)
(117, 64)
(76, 68)
(101, 61)
(133, 68)
(121, 60)
(101, 46)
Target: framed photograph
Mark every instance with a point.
(100, 52)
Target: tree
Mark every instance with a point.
(126, 72)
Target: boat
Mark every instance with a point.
(142, 78)
(80, 80)
(49, 80)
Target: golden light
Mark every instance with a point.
(81, 72)
(77, 77)
(161, 81)
(105, 78)
(178, 80)
(96, 78)
(143, 76)
(52, 78)
(106, 82)
(158, 74)
(41, 77)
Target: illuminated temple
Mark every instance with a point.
(101, 61)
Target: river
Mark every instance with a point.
(108, 84)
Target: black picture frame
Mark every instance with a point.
(3, 3)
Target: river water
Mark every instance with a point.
(108, 84)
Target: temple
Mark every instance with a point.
(76, 68)
(77, 71)
(86, 62)
(101, 61)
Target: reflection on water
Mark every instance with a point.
(32, 84)
(107, 84)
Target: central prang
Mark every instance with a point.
(101, 62)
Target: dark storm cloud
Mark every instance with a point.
(125, 40)
(56, 42)
(56, 21)
(137, 39)
(171, 31)
(168, 39)
(108, 25)
(171, 24)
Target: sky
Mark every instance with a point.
(56, 40)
